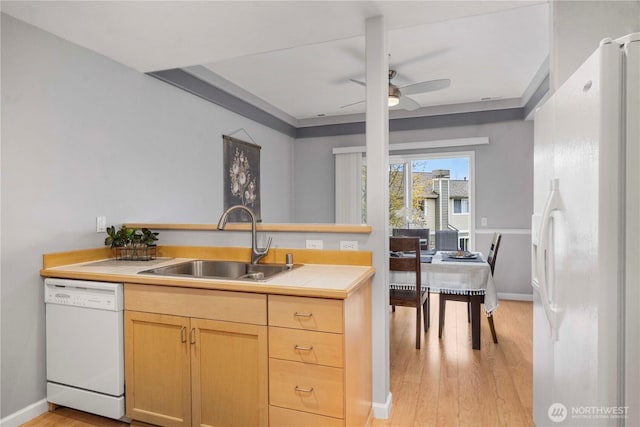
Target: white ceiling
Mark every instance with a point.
(298, 56)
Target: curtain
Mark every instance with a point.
(348, 188)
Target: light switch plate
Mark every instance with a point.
(101, 224)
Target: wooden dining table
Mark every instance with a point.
(442, 272)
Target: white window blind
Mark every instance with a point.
(460, 206)
(348, 188)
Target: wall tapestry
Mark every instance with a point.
(241, 177)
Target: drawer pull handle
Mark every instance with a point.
(297, 314)
(304, 389)
(183, 334)
(192, 336)
(303, 348)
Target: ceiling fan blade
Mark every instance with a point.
(408, 104)
(358, 82)
(353, 103)
(427, 86)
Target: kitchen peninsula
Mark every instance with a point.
(294, 349)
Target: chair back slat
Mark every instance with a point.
(493, 251)
(405, 244)
(422, 233)
(402, 264)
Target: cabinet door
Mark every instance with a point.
(157, 369)
(229, 374)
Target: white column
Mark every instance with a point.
(377, 135)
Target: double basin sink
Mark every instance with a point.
(209, 269)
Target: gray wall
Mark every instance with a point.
(504, 187)
(84, 136)
(314, 175)
(578, 27)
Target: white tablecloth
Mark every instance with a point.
(453, 277)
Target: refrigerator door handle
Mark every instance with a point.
(542, 263)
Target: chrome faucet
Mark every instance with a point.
(256, 253)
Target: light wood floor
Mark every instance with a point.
(445, 383)
(72, 418)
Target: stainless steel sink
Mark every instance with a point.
(219, 270)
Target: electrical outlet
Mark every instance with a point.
(101, 224)
(483, 221)
(348, 245)
(314, 244)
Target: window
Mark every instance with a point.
(430, 191)
(460, 206)
(427, 190)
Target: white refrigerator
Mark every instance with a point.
(585, 244)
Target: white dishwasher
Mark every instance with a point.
(85, 345)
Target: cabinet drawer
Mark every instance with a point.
(194, 302)
(315, 314)
(321, 348)
(311, 388)
(281, 417)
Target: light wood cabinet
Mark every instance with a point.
(320, 360)
(192, 371)
(307, 387)
(198, 357)
(306, 346)
(158, 369)
(229, 374)
(305, 313)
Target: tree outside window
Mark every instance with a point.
(401, 213)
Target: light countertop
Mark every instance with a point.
(314, 280)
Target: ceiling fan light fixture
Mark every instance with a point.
(394, 96)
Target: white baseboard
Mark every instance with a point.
(25, 414)
(515, 297)
(382, 410)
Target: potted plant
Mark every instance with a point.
(131, 243)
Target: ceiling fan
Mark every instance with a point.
(398, 95)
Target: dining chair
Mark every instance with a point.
(447, 240)
(422, 233)
(466, 296)
(409, 295)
